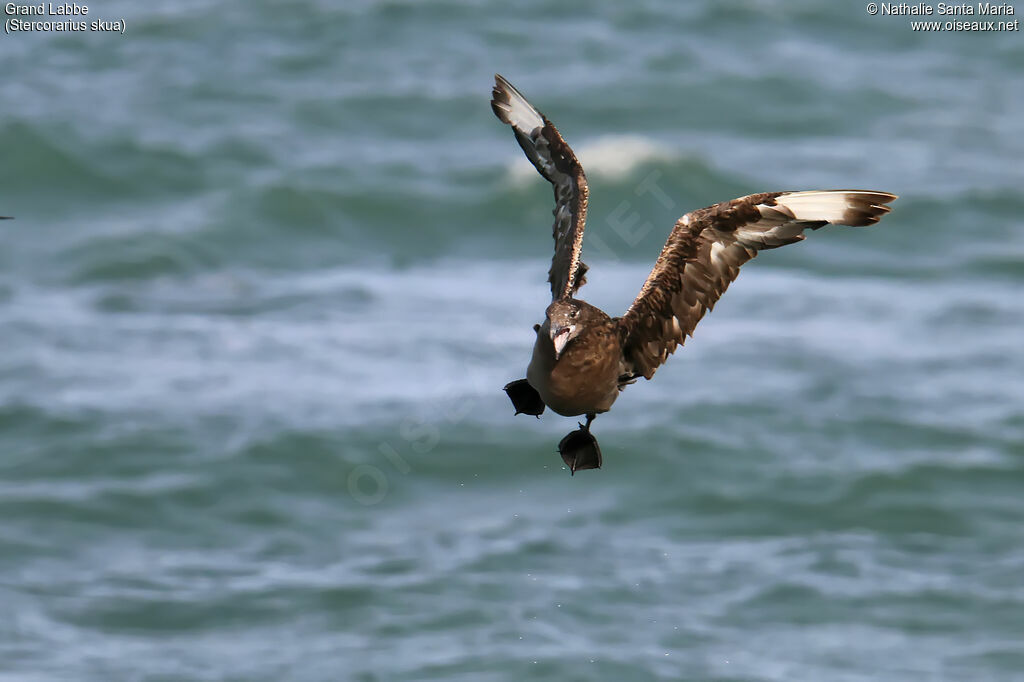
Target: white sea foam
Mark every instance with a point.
(610, 156)
(352, 343)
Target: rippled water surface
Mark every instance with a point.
(271, 266)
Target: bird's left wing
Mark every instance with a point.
(554, 160)
(704, 253)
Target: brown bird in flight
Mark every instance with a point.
(583, 358)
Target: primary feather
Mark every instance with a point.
(704, 253)
(555, 161)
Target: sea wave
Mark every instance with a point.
(613, 156)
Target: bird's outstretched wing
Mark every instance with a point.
(553, 159)
(704, 253)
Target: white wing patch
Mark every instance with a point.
(706, 249)
(555, 161)
(829, 205)
(716, 251)
(521, 114)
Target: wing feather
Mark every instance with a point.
(705, 251)
(555, 161)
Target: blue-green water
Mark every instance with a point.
(273, 263)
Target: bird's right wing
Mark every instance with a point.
(554, 160)
(704, 253)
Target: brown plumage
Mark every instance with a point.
(582, 357)
(595, 354)
(554, 160)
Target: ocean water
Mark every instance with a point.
(272, 264)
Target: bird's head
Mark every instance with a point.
(565, 320)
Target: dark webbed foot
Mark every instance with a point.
(525, 398)
(579, 449)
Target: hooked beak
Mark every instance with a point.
(560, 337)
